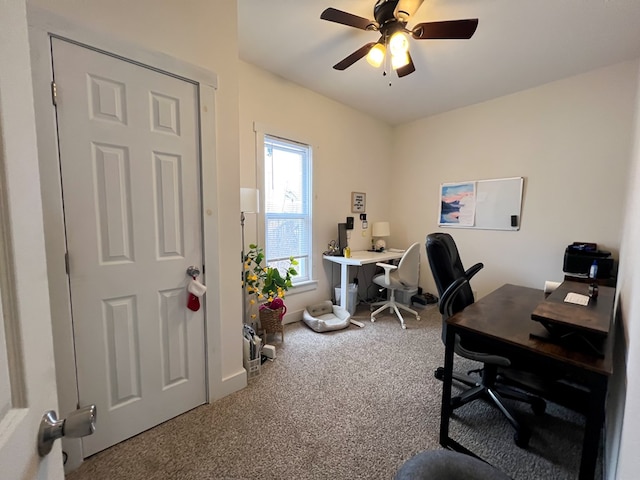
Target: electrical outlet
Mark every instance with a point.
(364, 233)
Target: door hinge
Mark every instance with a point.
(54, 93)
(66, 262)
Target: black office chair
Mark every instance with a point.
(452, 282)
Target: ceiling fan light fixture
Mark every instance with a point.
(375, 57)
(399, 61)
(399, 44)
(391, 19)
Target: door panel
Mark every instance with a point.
(129, 154)
(27, 370)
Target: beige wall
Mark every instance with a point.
(202, 33)
(351, 152)
(570, 140)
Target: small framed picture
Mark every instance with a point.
(358, 202)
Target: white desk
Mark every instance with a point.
(359, 258)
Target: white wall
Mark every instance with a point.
(570, 139)
(202, 33)
(351, 153)
(624, 397)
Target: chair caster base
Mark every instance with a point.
(373, 319)
(439, 373)
(404, 327)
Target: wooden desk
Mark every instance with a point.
(502, 319)
(579, 327)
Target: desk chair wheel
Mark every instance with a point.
(373, 319)
(538, 406)
(521, 437)
(439, 373)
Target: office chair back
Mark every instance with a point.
(409, 267)
(447, 267)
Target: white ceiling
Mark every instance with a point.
(518, 44)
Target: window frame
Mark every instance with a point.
(261, 134)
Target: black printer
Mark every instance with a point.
(579, 256)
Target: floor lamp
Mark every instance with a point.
(248, 204)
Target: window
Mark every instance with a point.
(287, 198)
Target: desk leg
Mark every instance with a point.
(344, 272)
(344, 293)
(445, 411)
(593, 429)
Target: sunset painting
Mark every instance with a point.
(457, 204)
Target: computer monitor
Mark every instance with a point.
(342, 238)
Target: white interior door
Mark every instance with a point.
(27, 376)
(129, 153)
(27, 372)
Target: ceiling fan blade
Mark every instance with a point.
(354, 57)
(450, 29)
(407, 69)
(406, 8)
(349, 19)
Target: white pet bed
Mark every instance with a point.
(324, 317)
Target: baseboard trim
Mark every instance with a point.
(229, 385)
(292, 317)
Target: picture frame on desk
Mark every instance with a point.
(358, 202)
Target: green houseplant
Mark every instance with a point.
(265, 283)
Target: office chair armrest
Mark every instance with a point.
(473, 270)
(387, 270)
(480, 356)
(446, 300)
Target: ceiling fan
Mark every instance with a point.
(391, 18)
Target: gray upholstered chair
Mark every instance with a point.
(447, 465)
(405, 277)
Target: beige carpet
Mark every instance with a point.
(350, 404)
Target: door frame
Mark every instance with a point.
(43, 25)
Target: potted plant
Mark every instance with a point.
(267, 285)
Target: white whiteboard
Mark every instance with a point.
(498, 204)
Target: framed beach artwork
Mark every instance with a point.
(457, 204)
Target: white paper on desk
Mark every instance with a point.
(577, 299)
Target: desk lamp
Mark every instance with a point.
(379, 230)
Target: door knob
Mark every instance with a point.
(78, 424)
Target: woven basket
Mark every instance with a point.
(271, 322)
